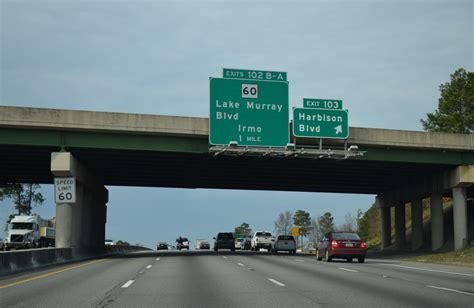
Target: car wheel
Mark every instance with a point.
(361, 259)
(232, 249)
(328, 258)
(269, 249)
(349, 260)
(318, 257)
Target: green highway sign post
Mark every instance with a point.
(249, 112)
(253, 74)
(320, 123)
(322, 103)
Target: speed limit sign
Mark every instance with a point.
(65, 190)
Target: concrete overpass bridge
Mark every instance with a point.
(102, 148)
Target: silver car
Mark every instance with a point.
(285, 243)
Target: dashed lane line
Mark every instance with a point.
(240, 264)
(128, 283)
(149, 266)
(157, 259)
(276, 282)
(349, 270)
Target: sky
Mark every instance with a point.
(384, 59)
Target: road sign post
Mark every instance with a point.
(320, 123)
(248, 112)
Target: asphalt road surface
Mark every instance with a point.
(225, 279)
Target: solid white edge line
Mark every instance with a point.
(430, 270)
(276, 282)
(452, 290)
(149, 266)
(240, 264)
(298, 260)
(128, 283)
(157, 259)
(349, 270)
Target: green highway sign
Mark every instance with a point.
(249, 112)
(320, 123)
(252, 74)
(322, 103)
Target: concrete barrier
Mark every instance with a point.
(23, 260)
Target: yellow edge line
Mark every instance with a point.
(49, 274)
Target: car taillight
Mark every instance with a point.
(256, 240)
(334, 244)
(363, 245)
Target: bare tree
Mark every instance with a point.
(314, 232)
(283, 223)
(349, 223)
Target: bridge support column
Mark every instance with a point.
(437, 221)
(416, 224)
(80, 224)
(460, 217)
(400, 237)
(386, 228)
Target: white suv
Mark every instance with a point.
(261, 239)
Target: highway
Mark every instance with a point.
(240, 279)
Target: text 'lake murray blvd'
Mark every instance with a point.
(233, 114)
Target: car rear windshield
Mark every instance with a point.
(263, 234)
(285, 237)
(225, 235)
(345, 236)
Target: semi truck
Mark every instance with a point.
(30, 231)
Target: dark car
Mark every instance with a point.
(204, 245)
(162, 246)
(343, 245)
(182, 243)
(224, 240)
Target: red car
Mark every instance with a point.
(343, 245)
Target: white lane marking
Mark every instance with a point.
(430, 270)
(240, 264)
(157, 259)
(452, 290)
(128, 283)
(349, 270)
(225, 257)
(149, 266)
(298, 260)
(276, 282)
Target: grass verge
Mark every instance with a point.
(463, 257)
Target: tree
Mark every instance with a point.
(349, 223)
(122, 243)
(455, 113)
(24, 196)
(283, 223)
(243, 230)
(314, 233)
(326, 223)
(302, 220)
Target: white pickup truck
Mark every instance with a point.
(261, 239)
